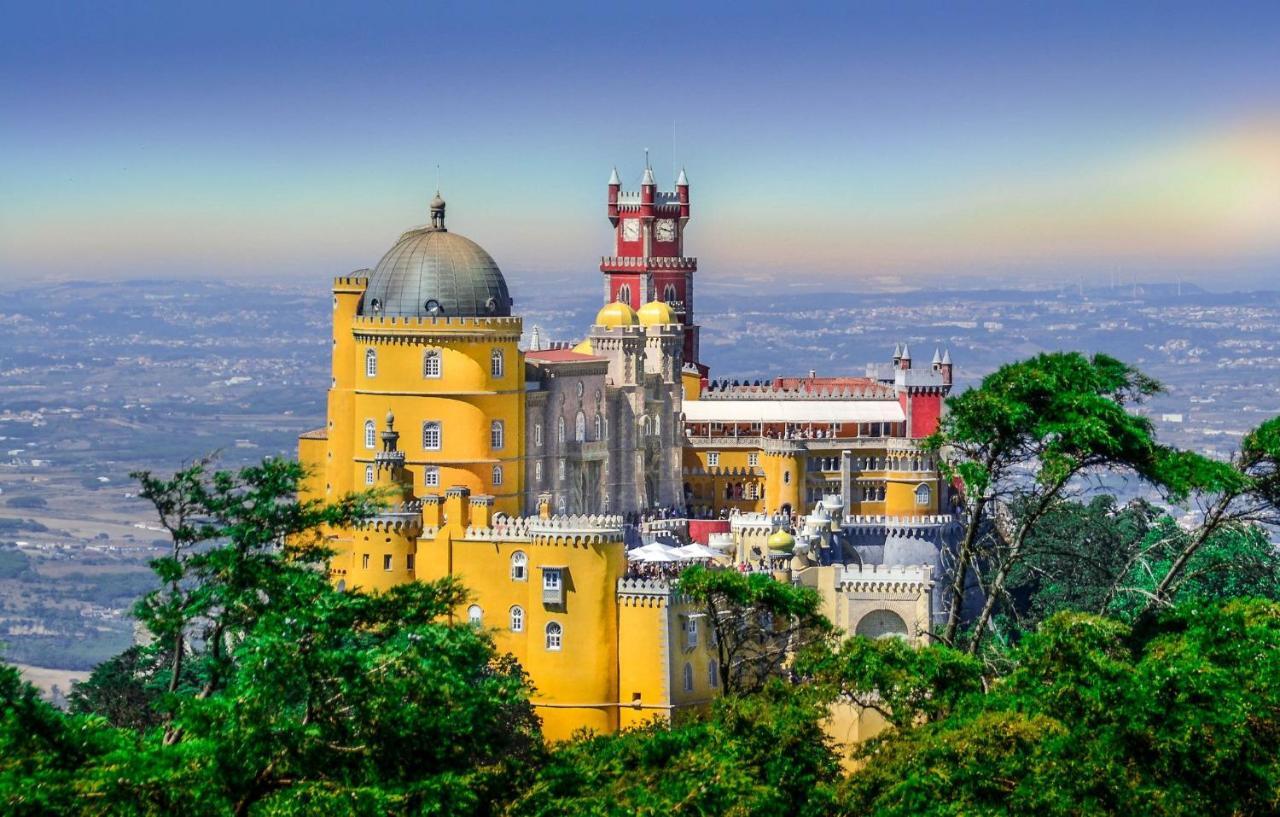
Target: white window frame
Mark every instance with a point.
(370, 362)
(515, 619)
(431, 476)
(599, 427)
(560, 429)
(370, 434)
(537, 434)
(713, 459)
(554, 634)
(432, 364)
(427, 427)
(537, 472)
(496, 475)
(580, 427)
(713, 674)
(753, 459)
(475, 615)
(368, 475)
(497, 364)
(688, 677)
(497, 435)
(928, 494)
(519, 566)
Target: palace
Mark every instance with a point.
(529, 473)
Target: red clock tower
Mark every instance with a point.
(648, 261)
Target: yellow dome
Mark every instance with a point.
(616, 314)
(657, 313)
(584, 348)
(782, 542)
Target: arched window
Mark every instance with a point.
(496, 363)
(657, 425)
(537, 472)
(431, 435)
(370, 434)
(497, 437)
(537, 435)
(497, 475)
(580, 427)
(370, 363)
(688, 677)
(519, 566)
(562, 474)
(474, 614)
(923, 495)
(645, 426)
(431, 363)
(624, 293)
(431, 476)
(368, 475)
(555, 633)
(599, 428)
(560, 429)
(669, 293)
(713, 674)
(517, 619)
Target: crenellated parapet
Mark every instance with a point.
(767, 390)
(898, 579)
(418, 330)
(351, 283)
(611, 263)
(649, 592)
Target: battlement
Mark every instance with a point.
(584, 528)
(885, 578)
(768, 390)
(446, 322)
(614, 263)
(351, 283)
(645, 592)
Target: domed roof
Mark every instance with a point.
(431, 271)
(584, 348)
(781, 541)
(656, 313)
(616, 314)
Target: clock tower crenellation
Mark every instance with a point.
(648, 261)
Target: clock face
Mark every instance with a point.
(664, 230)
(631, 229)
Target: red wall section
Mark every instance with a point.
(700, 530)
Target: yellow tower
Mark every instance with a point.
(783, 463)
(428, 335)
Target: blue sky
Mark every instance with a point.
(837, 143)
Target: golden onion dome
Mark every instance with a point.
(657, 313)
(616, 314)
(782, 542)
(584, 348)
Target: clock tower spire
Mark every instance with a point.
(648, 261)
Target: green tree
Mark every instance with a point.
(1019, 441)
(755, 756)
(123, 690)
(757, 623)
(906, 684)
(237, 540)
(1242, 492)
(1181, 718)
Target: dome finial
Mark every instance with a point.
(437, 211)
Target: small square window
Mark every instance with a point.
(386, 562)
(713, 459)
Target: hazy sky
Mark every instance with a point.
(843, 142)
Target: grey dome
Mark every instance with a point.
(431, 266)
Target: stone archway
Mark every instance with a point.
(882, 624)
